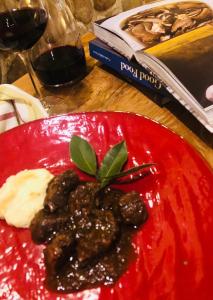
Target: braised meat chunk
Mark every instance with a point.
(82, 198)
(88, 231)
(132, 209)
(45, 225)
(81, 203)
(59, 189)
(58, 251)
(109, 199)
(99, 237)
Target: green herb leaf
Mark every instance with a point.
(130, 171)
(83, 155)
(112, 163)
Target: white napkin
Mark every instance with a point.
(18, 107)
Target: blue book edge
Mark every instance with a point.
(131, 71)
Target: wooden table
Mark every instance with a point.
(103, 91)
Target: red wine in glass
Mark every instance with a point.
(60, 65)
(20, 29)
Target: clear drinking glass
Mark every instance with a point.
(58, 58)
(22, 23)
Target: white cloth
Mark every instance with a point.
(18, 107)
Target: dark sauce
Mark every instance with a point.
(87, 231)
(21, 29)
(60, 65)
(105, 270)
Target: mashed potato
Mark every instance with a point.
(22, 196)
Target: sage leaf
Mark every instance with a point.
(112, 163)
(130, 171)
(83, 155)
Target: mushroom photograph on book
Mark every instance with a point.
(174, 40)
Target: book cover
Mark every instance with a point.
(129, 70)
(174, 39)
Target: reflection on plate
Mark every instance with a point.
(174, 248)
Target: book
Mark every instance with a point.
(173, 40)
(130, 70)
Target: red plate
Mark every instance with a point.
(175, 247)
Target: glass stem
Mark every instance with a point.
(26, 60)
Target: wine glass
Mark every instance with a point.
(22, 23)
(58, 58)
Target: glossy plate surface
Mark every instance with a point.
(174, 248)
